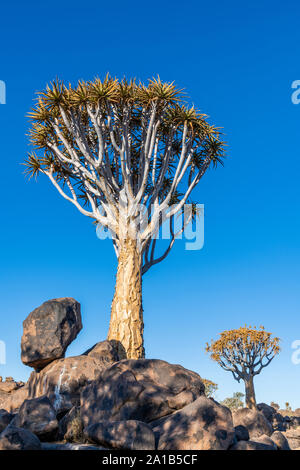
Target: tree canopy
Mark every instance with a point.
(106, 144)
(235, 402)
(244, 351)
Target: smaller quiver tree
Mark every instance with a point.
(210, 387)
(244, 352)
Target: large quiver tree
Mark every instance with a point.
(123, 153)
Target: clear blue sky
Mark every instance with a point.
(237, 61)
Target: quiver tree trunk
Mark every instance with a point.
(250, 393)
(126, 323)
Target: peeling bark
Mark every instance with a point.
(126, 323)
(250, 393)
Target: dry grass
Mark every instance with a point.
(75, 430)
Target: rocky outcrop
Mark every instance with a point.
(201, 425)
(131, 435)
(12, 401)
(254, 421)
(291, 422)
(290, 419)
(96, 401)
(12, 394)
(9, 385)
(14, 438)
(48, 331)
(62, 380)
(143, 390)
(276, 420)
(39, 417)
(293, 438)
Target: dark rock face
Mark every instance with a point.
(103, 351)
(48, 331)
(39, 417)
(201, 425)
(142, 390)
(254, 421)
(291, 422)
(132, 435)
(241, 433)
(276, 419)
(267, 410)
(62, 380)
(280, 440)
(5, 419)
(14, 438)
(251, 445)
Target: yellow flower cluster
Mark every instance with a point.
(243, 344)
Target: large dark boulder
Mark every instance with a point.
(254, 421)
(142, 390)
(241, 433)
(62, 380)
(201, 425)
(48, 331)
(267, 410)
(276, 419)
(5, 419)
(131, 435)
(14, 438)
(39, 417)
